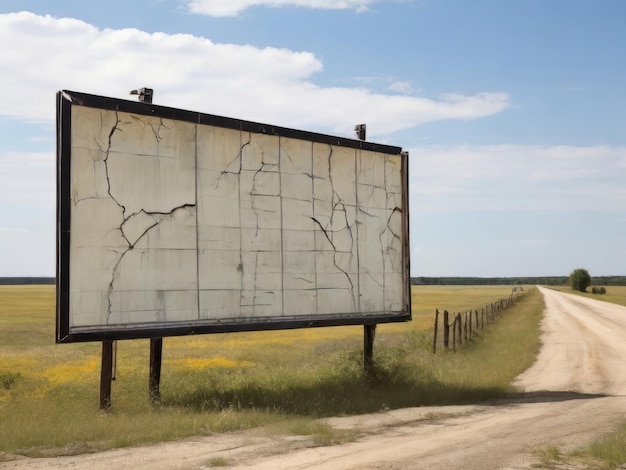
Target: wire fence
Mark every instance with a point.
(461, 327)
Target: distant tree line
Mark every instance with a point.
(498, 281)
(608, 280)
(26, 280)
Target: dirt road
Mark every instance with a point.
(575, 392)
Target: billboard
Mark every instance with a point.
(173, 222)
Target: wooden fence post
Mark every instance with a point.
(435, 333)
(464, 324)
(454, 334)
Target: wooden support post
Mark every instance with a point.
(156, 355)
(458, 315)
(369, 332)
(114, 360)
(435, 333)
(106, 372)
(446, 329)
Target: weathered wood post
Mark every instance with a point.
(106, 374)
(469, 314)
(369, 333)
(156, 355)
(435, 331)
(114, 360)
(454, 334)
(467, 328)
(446, 329)
(464, 320)
(458, 315)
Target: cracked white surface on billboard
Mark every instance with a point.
(177, 222)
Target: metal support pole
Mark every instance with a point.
(106, 372)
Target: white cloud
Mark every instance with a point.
(518, 177)
(46, 54)
(221, 8)
(391, 84)
(403, 87)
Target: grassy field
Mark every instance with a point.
(214, 383)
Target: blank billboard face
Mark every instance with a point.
(172, 222)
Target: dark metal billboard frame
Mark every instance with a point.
(66, 100)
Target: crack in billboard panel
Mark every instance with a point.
(174, 222)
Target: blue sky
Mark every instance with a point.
(514, 113)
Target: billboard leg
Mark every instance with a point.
(156, 354)
(106, 373)
(114, 361)
(369, 332)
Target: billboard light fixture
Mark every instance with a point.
(145, 94)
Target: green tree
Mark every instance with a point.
(580, 279)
